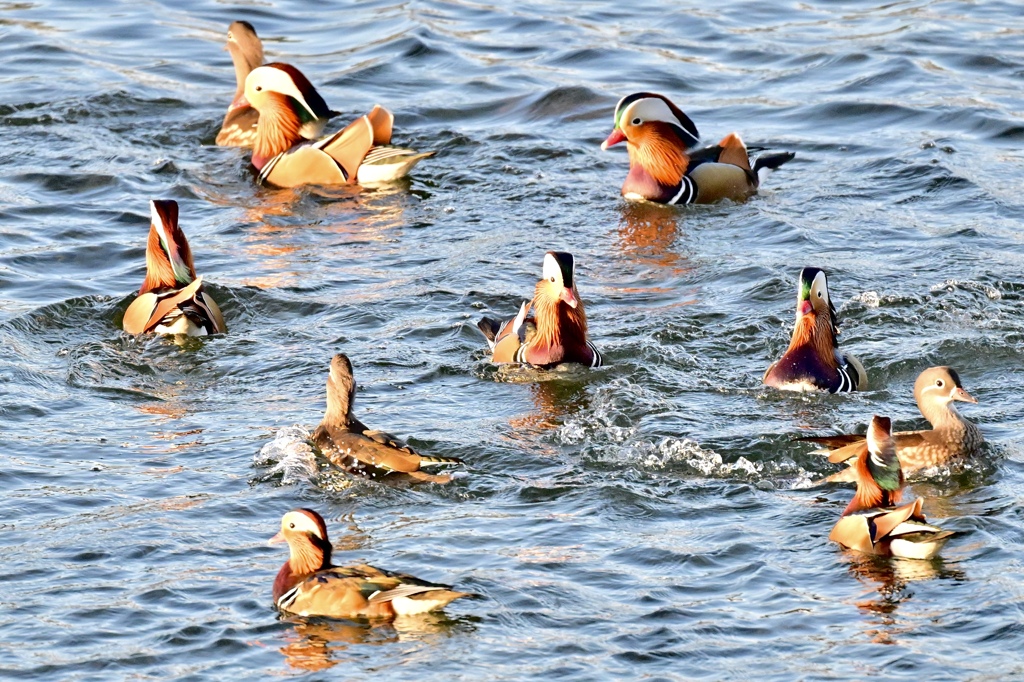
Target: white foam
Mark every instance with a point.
(289, 454)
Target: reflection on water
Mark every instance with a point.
(647, 233)
(891, 579)
(318, 644)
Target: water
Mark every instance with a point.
(649, 520)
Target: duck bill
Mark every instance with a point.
(803, 308)
(615, 137)
(569, 298)
(277, 539)
(961, 394)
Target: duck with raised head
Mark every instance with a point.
(664, 167)
(872, 523)
(310, 585)
(813, 361)
(951, 436)
(283, 155)
(351, 446)
(239, 126)
(171, 299)
(557, 332)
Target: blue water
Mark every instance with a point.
(649, 520)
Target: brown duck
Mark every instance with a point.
(283, 154)
(310, 585)
(171, 299)
(557, 332)
(872, 523)
(348, 444)
(665, 169)
(239, 126)
(813, 361)
(951, 436)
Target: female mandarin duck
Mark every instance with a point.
(950, 437)
(813, 360)
(171, 299)
(347, 442)
(557, 333)
(871, 522)
(284, 157)
(662, 168)
(239, 127)
(310, 585)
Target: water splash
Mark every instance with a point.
(290, 454)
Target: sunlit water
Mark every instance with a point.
(652, 519)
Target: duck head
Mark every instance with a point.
(341, 392)
(168, 256)
(246, 53)
(815, 314)
(879, 475)
(657, 134)
(289, 108)
(309, 549)
(938, 387)
(557, 301)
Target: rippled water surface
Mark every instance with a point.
(649, 520)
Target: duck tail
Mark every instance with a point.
(490, 327)
(766, 163)
(430, 460)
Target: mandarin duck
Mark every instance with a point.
(664, 167)
(239, 126)
(556, 333)
(813, 360)
(283, 157)
(348, 444)
(171, 299)
(950, 437)
(310, 585)
(872, 523)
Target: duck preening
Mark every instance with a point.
(348, 444)
(283, 154)
(872, 523)
(171, 299)
(813, 360)
(664, 167)
(310, 585)
(556, 333)
(951, 436)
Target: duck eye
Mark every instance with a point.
(291, 525)
(940, 383)
(819, 294)
(259, 88)
(552, 278)
(636, 121)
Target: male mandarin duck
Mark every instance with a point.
(284, 156)
(662, 166)
(239, 126)
(310, 585)
(346, 441)
(872, 523)
(813, 360)
(171, 299)
(558, 331)
(950, 437)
